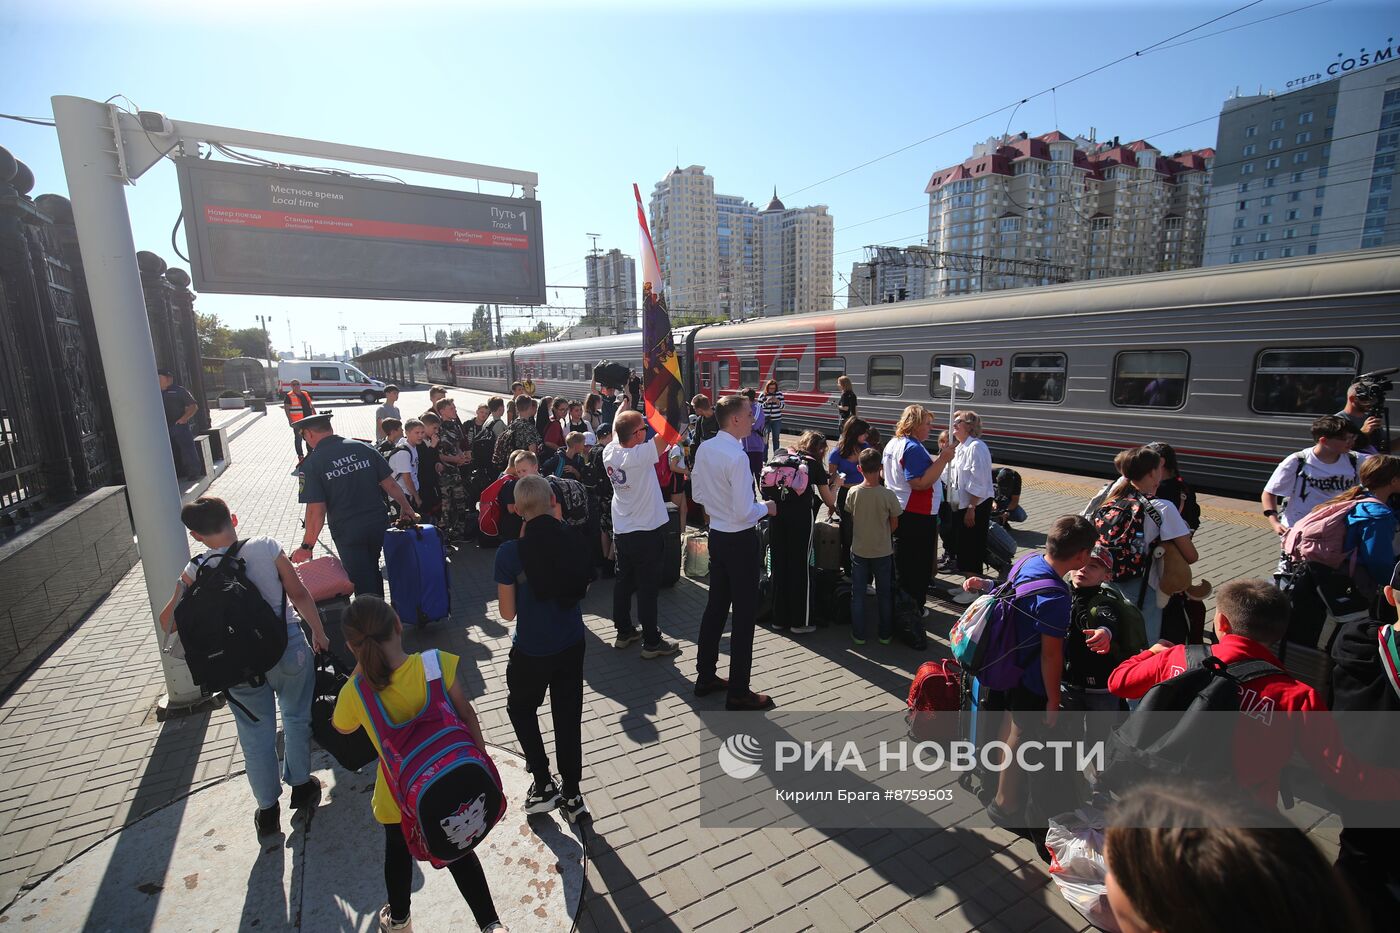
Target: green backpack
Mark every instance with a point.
(1130, 637)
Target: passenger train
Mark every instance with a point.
(1227, 364)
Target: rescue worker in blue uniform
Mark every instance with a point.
(180, 409)
(343, 484)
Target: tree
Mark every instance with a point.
(440, 338)
(523, 338)
(250, 341)
(215, 340)
(481, 322)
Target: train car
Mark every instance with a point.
(1228, 364)
(484, 371)
(438, 364)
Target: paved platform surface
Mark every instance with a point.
(81, 753)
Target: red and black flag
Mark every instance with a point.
(662, 388)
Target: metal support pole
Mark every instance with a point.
(86, 141)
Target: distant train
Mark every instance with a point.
(1227, 364)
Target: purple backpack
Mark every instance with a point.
(996, 664)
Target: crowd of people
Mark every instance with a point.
(583, 489)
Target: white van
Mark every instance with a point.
(328, 379)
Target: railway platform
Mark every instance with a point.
(103, 806)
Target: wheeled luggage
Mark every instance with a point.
(826, 546)
(697, 554)
(415, 561)
(352, 752)
(1001, 548)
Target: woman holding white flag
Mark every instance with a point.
(971, 493)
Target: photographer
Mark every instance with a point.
(1364, 409)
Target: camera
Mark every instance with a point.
(1371, 388)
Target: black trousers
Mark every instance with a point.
(527, 678)
(466, 871)
(359, 552)
(791, 543)
(843, 520)
(734, 569)
(639, 557)
(970, 544)
(913, 556)
(300, 444)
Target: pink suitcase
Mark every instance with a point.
(325, 577)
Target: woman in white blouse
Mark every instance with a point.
(971, 493)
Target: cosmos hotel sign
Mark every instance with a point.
(1349, 62)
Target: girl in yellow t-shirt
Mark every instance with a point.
(375, 635)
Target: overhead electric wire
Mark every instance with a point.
(1029, 97)
(37, 121)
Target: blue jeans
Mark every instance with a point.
(774, 430)
(290, 683)
(1151, 612)
(863, 570)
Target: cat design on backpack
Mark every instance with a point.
(783, 475)
(446, 786)
(1122, 526)
(229, 633)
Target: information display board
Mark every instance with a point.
(255, 230)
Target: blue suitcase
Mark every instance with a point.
(415, 561)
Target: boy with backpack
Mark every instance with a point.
(1104, 629)
(875, 512)
(540, 579)
(572, 461)
(1037, 620)
(1311, 476)
(414, 706)
(1281, 713)
(247, 589)
(403, 461)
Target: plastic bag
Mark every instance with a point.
(1077, 865)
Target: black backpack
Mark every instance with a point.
(230, 635)
(1184, 727)
(572, 498)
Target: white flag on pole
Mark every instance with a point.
(955, 377)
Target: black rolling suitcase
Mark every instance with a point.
(671, 547)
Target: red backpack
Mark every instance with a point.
(935, 697)
(488, 508)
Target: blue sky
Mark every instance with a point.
(596, 97)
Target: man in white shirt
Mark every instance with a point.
(1311, 477)
(722, 483)
(639, 530)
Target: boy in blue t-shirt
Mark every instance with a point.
(540, 579)
(1042, 624)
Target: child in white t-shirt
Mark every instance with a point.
(403, 461)
(1310, 477)
(289, 684)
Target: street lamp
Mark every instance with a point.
(265, 322)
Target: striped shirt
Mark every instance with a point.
(773, 405)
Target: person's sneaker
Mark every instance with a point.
(885, 640)
(268, 822)
(855, 640)
(542, 799)
(308, 795)
(661, 649)
(574, 808)
(388, 924)
(964, 598)
(869, 589)
(627, 639)
(497, 927)
(803, 629)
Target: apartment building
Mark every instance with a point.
(611, 295)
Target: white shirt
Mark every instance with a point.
(971, 473)
(1173, 526)
(1319, 482)
(404, 461)
(259, 556)
(892, 461)
(637, 503)
(722, 482)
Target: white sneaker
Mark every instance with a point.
(869, 589)
(803, 629)
(965, 598)
(388, 925)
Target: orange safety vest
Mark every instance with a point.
(299, 405)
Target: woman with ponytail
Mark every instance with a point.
(375, 636)
(1371, 526)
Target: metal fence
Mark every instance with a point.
(56, 433)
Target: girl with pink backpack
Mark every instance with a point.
(437, 792)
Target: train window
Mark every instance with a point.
(829, 369)
(1038, 377)
(748, 373)
(1150, 378)
(1303, 381)
(885, 375)
(785, 371)
(960, 360)
(722, 374)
